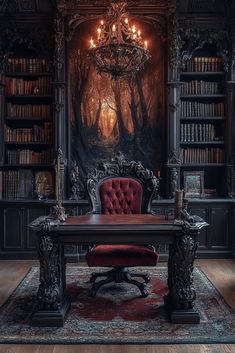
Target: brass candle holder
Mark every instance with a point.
(58, 211)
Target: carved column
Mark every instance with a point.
(230, 132)
(59, 86)
(173, 161)
(174, 108)
(182, 294)
(1, 119)
(230, 125)
(52, 304)
(50, 292)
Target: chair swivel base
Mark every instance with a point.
(118, 275)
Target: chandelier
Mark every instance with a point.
(118, 49)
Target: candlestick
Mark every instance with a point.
(179, 195)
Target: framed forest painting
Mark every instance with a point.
(107, 115)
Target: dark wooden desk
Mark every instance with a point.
(53, 304)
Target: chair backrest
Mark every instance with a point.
(120, 196)
(121, 187)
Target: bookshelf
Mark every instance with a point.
(28, 148)
(202, 120)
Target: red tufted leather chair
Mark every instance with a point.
(113, 191)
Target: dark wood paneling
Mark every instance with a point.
(17, 241)
(12, 229)
(219, 237)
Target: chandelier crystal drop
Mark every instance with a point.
(118, 49)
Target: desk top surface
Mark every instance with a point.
(97, 219)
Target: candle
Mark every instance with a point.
(126, 21)
(102, 22)
(114, 28)
(179, 195)
(139, 33)
(99, 32)
(146, 44)
(133, 29)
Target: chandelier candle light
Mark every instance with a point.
(118, 49)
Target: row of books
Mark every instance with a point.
(27, 65)
(15, 86)
(198, 133)
(200, 87)
(202, 155)
(204, 64)
(189, 108)
(17, 184)
(42, 111)
(29, 157)
(37, 133)
(24, 184)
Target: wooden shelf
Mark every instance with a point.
(29, 96)
(191, 118)
(31, 118)
(25, 166)
(27, 74)
(206, 73)
(194, 165)
(202, 143)
(12, 143)
(196, 96)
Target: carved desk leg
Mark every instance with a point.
(182, 294)
(52, 304)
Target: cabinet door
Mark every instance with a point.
(13, 219)
(32, 213)
(219, 231)
(203, 236)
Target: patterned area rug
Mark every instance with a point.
(117, 314)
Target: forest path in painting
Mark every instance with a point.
(107, 115)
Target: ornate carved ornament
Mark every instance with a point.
(174, 42)
(231, 181)
(26, 6)
(43, 224)
(32, 38)
(79, 4)
(193, 37)
(181, 273)
(119, 166)
(173, 159)
(157, 21)
(77, 191)
(174, 107)
(59, 42)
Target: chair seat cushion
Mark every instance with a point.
(121, 256)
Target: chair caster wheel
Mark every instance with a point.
(144, 293)
(92, 292)
(147, 279)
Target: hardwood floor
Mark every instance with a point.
(221, 272)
